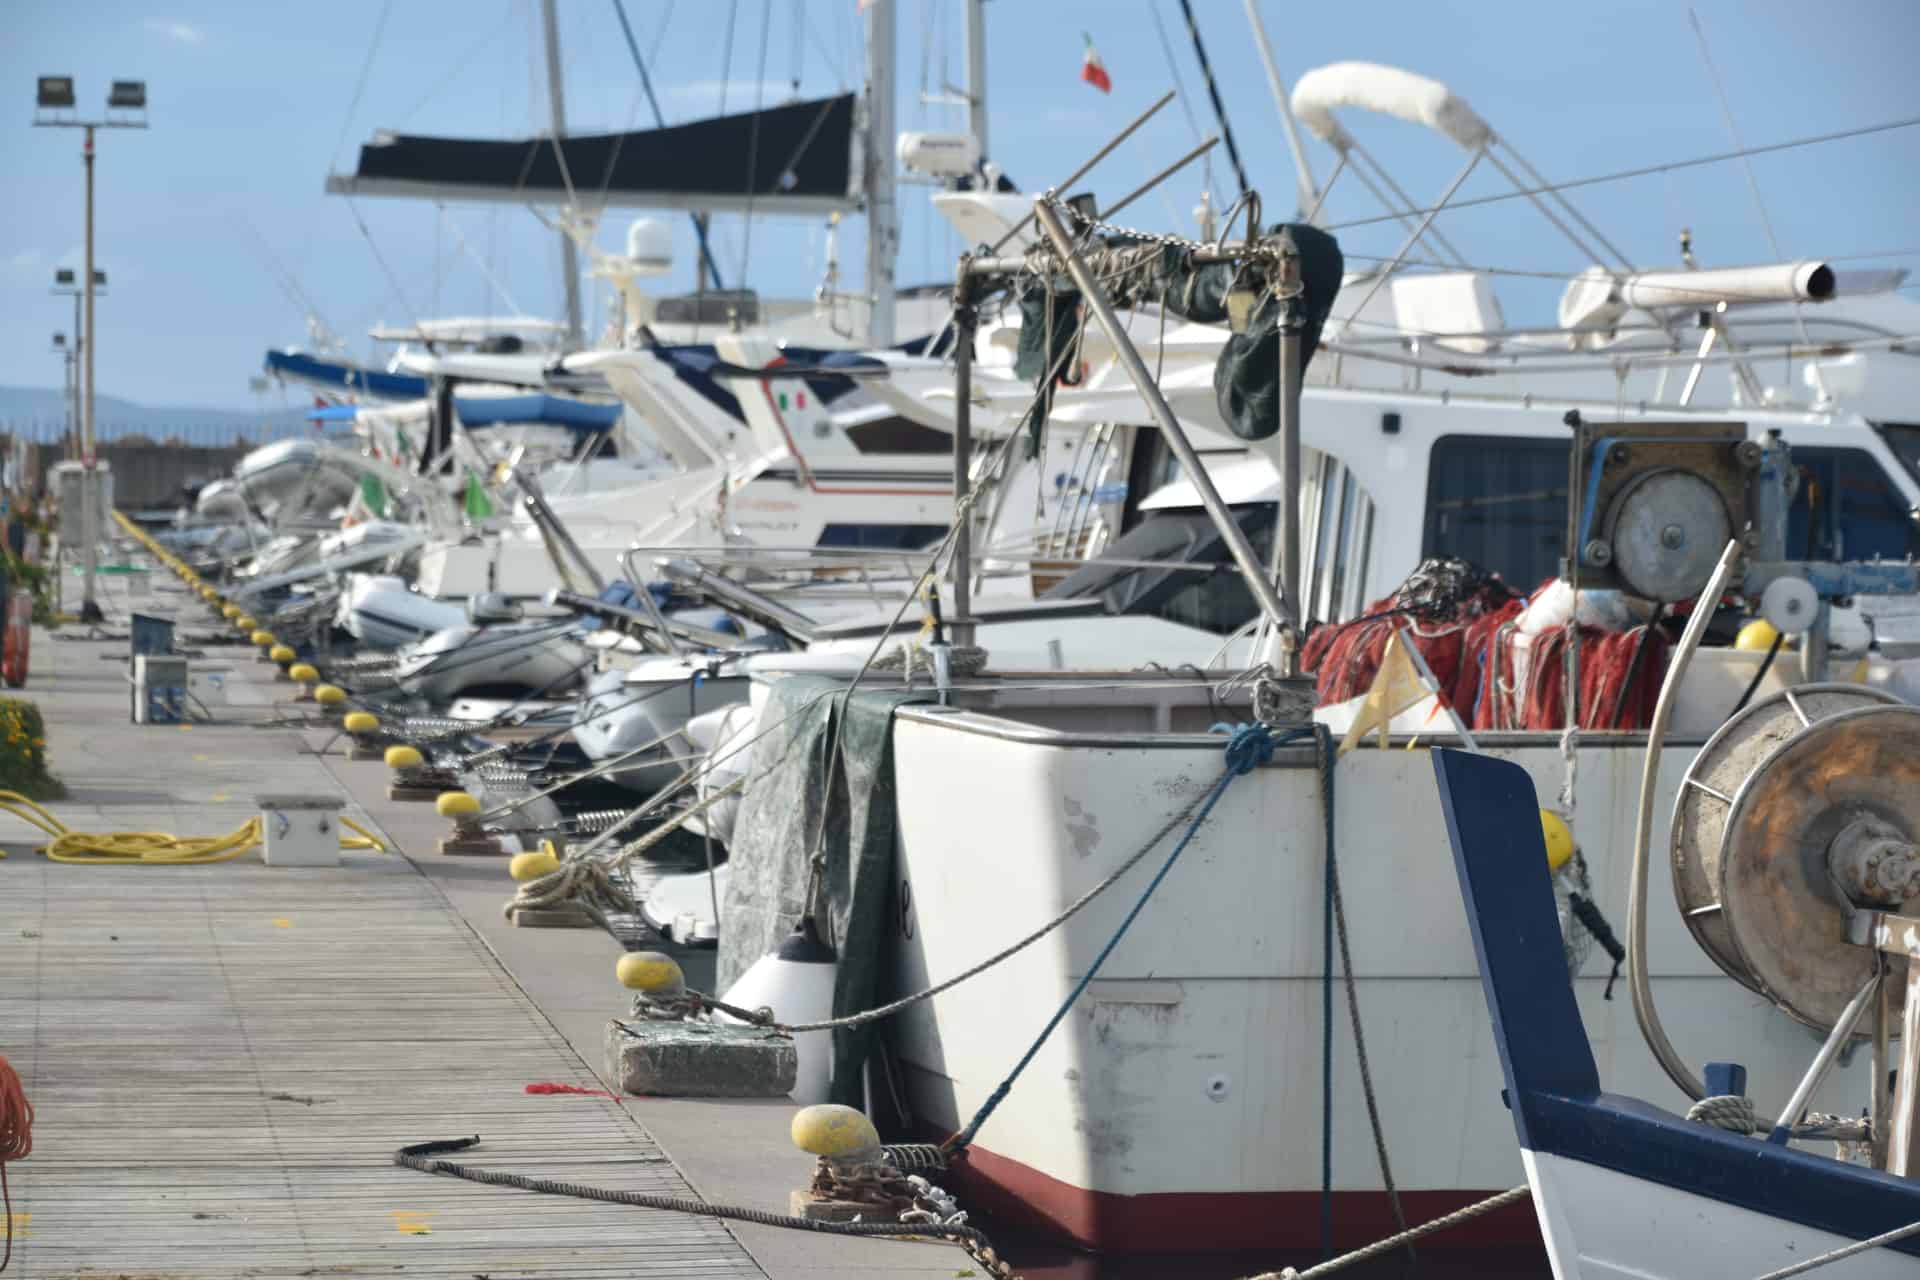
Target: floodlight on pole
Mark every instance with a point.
(128, 98)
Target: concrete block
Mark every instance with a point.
(564, 915)
(804, 1204)
(471, 846)
(363, 750)
(700, 1060)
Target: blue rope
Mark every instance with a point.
(1249, 747)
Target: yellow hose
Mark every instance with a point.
(153, 847)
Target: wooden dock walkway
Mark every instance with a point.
(223, 1058)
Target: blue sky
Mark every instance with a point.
(218, 237)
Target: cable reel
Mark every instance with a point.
(1798, 815)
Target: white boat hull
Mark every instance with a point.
(1600, 1224)
(1182, 1099)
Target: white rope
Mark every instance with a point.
(1730, 1111)
(1859, 1246)
(1378, 1247)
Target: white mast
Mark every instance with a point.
(977, 73)
(1303, 173)
(883, 231)
(557, 100)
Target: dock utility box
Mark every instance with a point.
(159, 689)
(300, 830)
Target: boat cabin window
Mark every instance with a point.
(882, 537)
(898, 435)
(1215, 599)
(1500, 502)
(1857, 511)
(1904, 440)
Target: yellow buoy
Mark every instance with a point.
(229, 611)
(403, 756)
(282, 654)
(264, 639)
(1756, 635)
(649, 971)
(1559, 839)
(304, 672)
(836, 1132)
(360, 722)
(531, 866)
(456, 804)
(329, 695)
(245, 622)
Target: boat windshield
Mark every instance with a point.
(1904, 439)
(1140, 573)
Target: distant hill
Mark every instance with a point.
(40, 414)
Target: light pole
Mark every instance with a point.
(54, 108)
(66, 382)
(65, 286)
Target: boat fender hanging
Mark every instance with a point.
(796, 980)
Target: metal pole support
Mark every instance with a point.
(1277, 610)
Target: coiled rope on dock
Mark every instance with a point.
(154, 848)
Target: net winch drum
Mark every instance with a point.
(1803, 807)
(1658, 502)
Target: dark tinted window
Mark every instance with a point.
(1857, 511)
(1216, 600)
(1904, 440)
(882, 537)
(898, 435)
(1499, 502)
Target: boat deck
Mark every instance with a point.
(223, 1058)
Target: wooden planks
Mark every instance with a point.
(223, 1058)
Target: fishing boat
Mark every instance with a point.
(1225, 1077)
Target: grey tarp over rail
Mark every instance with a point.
(774, 836)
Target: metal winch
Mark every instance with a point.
(1656, 502)
(1801, 814)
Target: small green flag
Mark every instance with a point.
(478, 505)
(374, 495)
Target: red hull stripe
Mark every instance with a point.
(1284, 1221)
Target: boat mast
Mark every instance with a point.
(977, 73)
(1309, 193)
(557, 101)
(883, 231)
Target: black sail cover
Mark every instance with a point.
(801, 152)
(1246, 378)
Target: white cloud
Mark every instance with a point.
(183, 32)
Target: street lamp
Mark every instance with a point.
(65, 286)
(126, 109)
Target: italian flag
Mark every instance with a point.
(1093, 71)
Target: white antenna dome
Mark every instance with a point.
(650, 246)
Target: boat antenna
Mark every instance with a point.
(1753, 185)
(1213, 92)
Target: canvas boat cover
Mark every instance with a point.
(794, 158)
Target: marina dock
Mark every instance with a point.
(223, 1058)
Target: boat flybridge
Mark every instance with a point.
(1626, 447)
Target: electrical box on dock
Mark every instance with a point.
(159, 689)
(300, 830)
